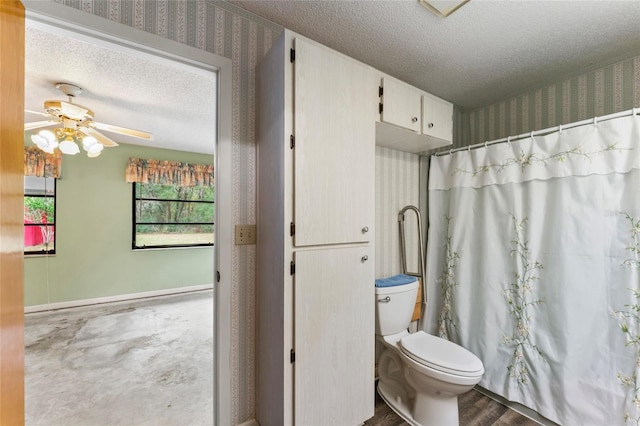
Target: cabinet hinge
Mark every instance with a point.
(292, 141)
(380, 107)
(380, 90)
(292, 229)
(292, 55)
(218, 276)
(292, 268)
(292, 356)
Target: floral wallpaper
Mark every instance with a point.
(606, 90)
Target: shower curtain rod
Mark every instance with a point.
(546, 131)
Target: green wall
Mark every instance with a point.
(93, 242)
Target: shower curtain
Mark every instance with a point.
(533, 264)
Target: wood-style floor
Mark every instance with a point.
(474, 409)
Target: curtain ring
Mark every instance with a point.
(560, 128)
(531, 135)
(485, 144)
(449, 152)
(595, 121)
(468, 148)
(509, 140)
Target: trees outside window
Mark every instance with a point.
(172, 216)
(39, 215)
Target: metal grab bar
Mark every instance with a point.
(421, 264)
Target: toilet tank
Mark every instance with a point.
(394, 307)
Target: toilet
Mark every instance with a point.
(420, 375)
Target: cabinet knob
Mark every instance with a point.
(430, 125)
(365, 229)
(365, 258)
(414, 119)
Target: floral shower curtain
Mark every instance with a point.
(533, 264)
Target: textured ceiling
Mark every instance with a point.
(173, 102)
(482, 53)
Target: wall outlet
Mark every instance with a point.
(245, 234)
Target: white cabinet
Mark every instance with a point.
(315, 130)
(400, 104)
(437, 118)
(334, 151)
(412, 120)
(334, 342)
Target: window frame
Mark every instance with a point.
(53, 224)
(135, 223)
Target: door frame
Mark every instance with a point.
(97, 29)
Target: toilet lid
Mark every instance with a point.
(441, 354)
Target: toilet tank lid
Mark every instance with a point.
(400, 279)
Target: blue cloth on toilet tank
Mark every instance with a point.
(400, 279)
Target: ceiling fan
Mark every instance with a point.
(78, 126)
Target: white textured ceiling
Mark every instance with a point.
(484, 52)
(174, 102)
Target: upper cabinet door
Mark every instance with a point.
(400, 104)
(334, 154)
(437, 118)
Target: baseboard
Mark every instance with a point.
(116, 298)
(519, 408)
(250, 422)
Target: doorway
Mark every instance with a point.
(103, 31)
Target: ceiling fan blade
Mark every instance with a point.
(99, 136)
(39, 124)
(122, 130)
(37, 112)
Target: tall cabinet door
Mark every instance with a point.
(334, 161)
(334, 336)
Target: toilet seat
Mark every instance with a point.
(441, 355)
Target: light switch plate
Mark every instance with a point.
(245, 234)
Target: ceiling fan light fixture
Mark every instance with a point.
(48, 135)
(39, 140)
(88, 142)
(68, 146)
(44, 143)
(78, 127)
(95, 149)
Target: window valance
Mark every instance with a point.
(41, 164)
(168, 172)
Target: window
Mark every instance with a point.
(172, 216)
(39, 215)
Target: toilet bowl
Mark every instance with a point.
(420, 375)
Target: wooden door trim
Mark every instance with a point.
(11, 213)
